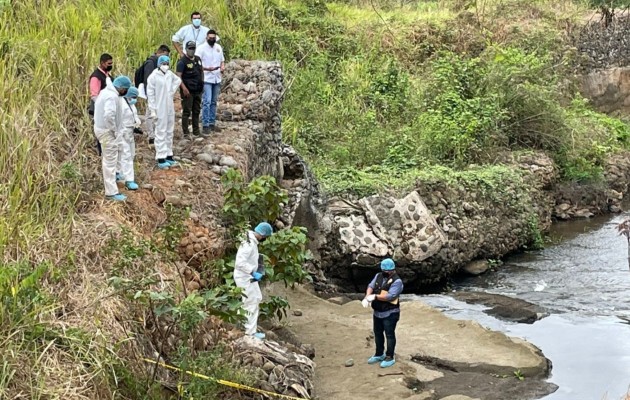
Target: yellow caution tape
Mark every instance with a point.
(223, 382)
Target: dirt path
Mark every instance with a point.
(458, 357)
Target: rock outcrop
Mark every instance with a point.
(608, 89)
(446, 222)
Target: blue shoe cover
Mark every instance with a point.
(131, 185)
(117, 197)
(376, 359)
(164, 165)
(388, 363)
(119, 177)
(172, 163)
(259, 335)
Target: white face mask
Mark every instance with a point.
(165, 68)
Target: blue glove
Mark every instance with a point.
(257, 276)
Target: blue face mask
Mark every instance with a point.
(133, 101)
(196, 22)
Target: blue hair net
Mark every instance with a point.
(388, 265)
(132, 92)
(163, 59)
(264, 229)
(122, 82)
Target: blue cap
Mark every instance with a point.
(122, 82)
(132, 92)
(264, 229)
(388, 265)
(163, 59)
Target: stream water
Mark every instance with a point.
(583, 279)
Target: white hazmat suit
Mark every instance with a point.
(161, 87)
(127, 145)
(245, 265)
(107, 123)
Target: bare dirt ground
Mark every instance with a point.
(453, 359)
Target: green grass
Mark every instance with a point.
(420, 12)
(381, 179)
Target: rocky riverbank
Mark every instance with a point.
(448, 220)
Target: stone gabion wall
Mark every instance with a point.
(252, 92)
(601, 46)
(603, 63)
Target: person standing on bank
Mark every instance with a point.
(130, 124)
(190, 70)
(211, 54)
(150, 64)
(247, 277)
(97, 82)
(193, 31)
(383, 293)
(100, 77)
(107, 126)
(161, 88)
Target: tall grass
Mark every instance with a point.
(47, 51)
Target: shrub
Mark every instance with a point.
(246, 204)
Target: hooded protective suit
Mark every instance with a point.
(107, 122)
(245, 265)
(127, 146)
(161, 87)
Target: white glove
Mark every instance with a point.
(365, 303)
(370, 298)
(153, 114)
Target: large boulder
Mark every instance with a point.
(389, 227)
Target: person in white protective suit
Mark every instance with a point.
(247, 277)
(107, 123)
(127, 148)
(161, 87)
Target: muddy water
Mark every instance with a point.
(583, 279)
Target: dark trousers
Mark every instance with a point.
(388, 327)
(191, 106)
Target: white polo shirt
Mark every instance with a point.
(211, 57)
(188, 32)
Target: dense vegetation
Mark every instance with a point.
(379, 93)
(422, 85)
